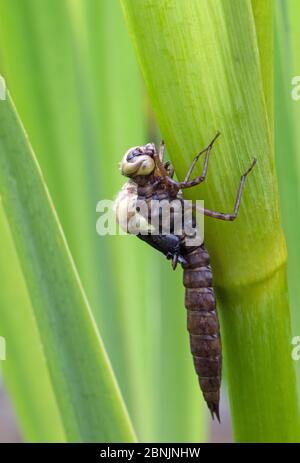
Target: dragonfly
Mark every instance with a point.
(150, 178)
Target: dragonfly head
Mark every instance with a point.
(138, 161)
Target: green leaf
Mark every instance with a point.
(287, 141)
(25, 371)
(203, 69)
(263, 14)
(77, 88)
(87, 395)
(68, 118)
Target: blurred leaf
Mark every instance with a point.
(287, 141)
(89, 401)
(65, 121)
(82, 103)
(25, 370)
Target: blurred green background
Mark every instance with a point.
(73, 76)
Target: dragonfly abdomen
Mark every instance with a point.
(203, 325)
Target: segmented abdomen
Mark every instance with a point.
(203, 325)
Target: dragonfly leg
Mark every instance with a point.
(190, 183)
(175, 259)
(206, 150)
(161, 150)
(233, 216)
(169, 168)
(158, 158)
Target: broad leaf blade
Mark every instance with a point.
(86, 110)
(87, 395)
(25, 370)
(203, 70)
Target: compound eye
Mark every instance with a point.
(133, 154)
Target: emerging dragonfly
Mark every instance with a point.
(150, 178)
